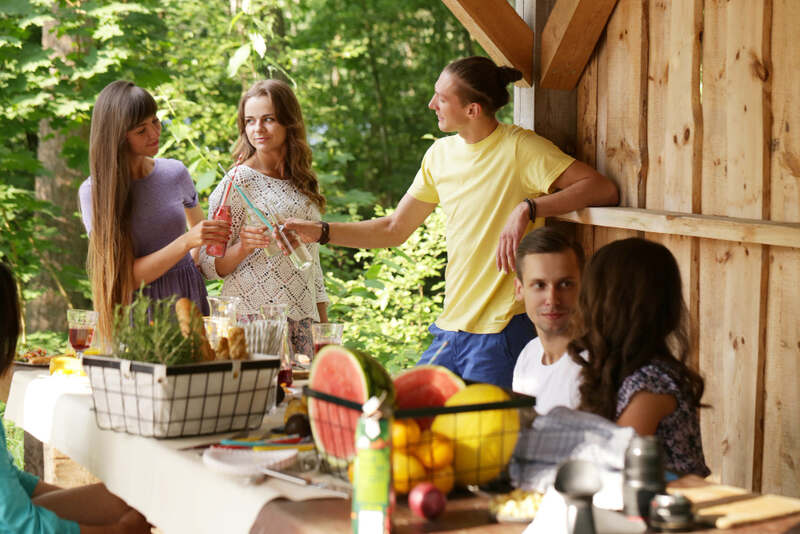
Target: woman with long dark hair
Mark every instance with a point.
(276, 172)
(636, 334)
(136, 209)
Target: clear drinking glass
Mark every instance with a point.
(81, 329)
(274, 316)
(223, 313)
(326, 334)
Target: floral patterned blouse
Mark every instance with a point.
(679, 432)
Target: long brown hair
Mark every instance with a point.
(633, 314)
(297, 163)
(120, 106)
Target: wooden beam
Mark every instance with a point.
(500, 31)
(782, 234)
(568, 39)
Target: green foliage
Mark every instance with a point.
(387, 308)
(14, 438)
(52, 342)
(27, 228)
(147, 331)
(363, 71)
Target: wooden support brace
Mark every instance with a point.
(500, 31)
(568, 39)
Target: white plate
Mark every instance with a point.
(247, 462)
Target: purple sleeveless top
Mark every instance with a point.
(158, 219)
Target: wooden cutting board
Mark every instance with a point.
(748, 510)
(707, 493)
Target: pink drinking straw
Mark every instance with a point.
(233, 177)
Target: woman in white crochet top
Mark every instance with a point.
(275, 171)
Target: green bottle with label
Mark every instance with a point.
(372, 476)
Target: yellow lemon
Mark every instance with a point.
(405, 433)
(484, 439)
(434, 450)
(407, 471)
(443, 478)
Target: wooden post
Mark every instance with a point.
(781, 468)
(733, 277)
(550, 113)
(675, 134)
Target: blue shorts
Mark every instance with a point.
(486, 358)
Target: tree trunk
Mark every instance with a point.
(59, 186)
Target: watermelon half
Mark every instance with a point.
(349, 374)
(425, 386)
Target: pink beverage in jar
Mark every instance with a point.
(223, 213)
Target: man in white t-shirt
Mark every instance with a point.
(549, 269)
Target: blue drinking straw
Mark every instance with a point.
(255, 209)
(249, 202)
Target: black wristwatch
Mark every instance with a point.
(531, 209)
(325, 235)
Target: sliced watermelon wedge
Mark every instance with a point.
(349, 374)
(425, 386)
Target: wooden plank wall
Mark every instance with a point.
(690, 106)
(781, 456)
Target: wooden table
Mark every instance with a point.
(465, 515)
(332, 516)
(178, 494)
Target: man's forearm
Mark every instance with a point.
(374, 233)
(593, 191)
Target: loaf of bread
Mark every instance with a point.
(223, 352)
(237, 344)
(191, 322)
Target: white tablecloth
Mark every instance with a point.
(171, 487)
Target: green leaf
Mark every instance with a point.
(373, 272)
(205, 180)
(375, 284)
(10, 41)
(238, 58)
(363, 292)
(258, 43)
(107, 31)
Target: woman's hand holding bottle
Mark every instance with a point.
(208, 232)
(253, 237)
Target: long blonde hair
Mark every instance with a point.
(297, 164)
(120, 106)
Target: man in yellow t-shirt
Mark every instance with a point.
(493, 182)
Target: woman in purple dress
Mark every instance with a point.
(136, 209)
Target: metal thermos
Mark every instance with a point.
(643, 477)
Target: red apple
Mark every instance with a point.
(425, 500)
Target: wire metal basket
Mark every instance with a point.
(448, 445)
(170, 401)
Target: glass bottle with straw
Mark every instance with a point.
(223, 213)
(298, 253)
